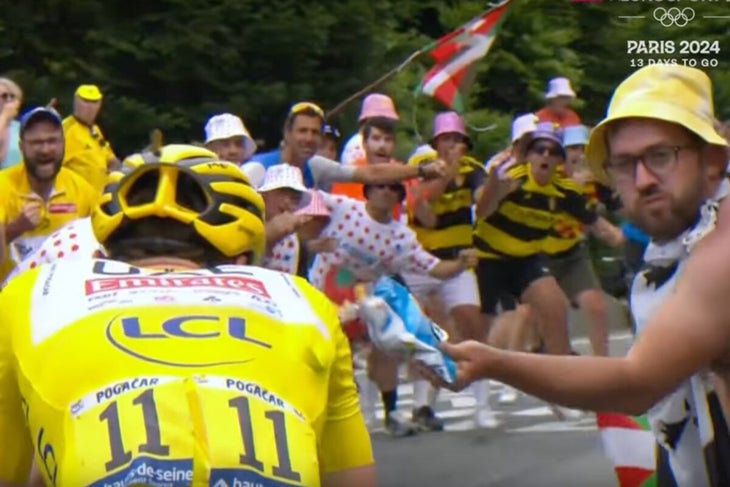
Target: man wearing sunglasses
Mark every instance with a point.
(517, 210)
(302, 137)
(371, 244)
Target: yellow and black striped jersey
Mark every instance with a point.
(523, 222)
(569, 231)
(453, 210)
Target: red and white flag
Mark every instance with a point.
(455, 55)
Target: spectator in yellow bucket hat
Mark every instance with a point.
(88, 153)
(674, 94)
(660, 150)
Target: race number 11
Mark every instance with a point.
(257, 438)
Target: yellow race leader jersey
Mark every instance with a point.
(113, 375)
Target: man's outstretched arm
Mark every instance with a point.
(688, 333)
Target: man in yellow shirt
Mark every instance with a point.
(39, 195)
(88, 153)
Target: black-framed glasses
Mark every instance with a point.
(660, 161)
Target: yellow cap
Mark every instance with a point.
(89, 92)
(672, 93)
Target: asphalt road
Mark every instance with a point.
(532, 448)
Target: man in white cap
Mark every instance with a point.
(558, 98)
(522, 126)
(659, 149)
(290, 208)
(283, 192)
(228, 137)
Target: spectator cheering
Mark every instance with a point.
(88, 153)
(40, 196)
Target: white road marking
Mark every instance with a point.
(458, 408)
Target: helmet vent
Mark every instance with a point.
(143, 189)
(190, 194)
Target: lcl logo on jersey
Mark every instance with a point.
(184, 340)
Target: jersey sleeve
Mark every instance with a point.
(326, 171)
(412, 257)
(345, 441)
(17, 455)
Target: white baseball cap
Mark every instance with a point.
(227, 125)
(524, 124)
(559, 87)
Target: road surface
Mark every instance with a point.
(530, 449)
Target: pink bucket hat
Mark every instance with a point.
(316, 206)
(377, 105)
(449, 123)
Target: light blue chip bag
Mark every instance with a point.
(396, 324)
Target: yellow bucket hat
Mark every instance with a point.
(673, 93)
(89, 92)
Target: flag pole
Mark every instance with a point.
(338, 108)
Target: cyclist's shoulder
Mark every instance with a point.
(294, 298)
(299, 286)
(17, 286)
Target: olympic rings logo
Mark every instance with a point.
(674, 16)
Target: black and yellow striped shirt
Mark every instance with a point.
(453, 210)
(569, 230)
(525, 219)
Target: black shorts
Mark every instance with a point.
(500, 278)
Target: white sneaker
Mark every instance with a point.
(508, 395)
(485, 418)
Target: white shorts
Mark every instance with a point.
(460, 290)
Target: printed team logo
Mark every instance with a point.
(127, 283)
(161, 337)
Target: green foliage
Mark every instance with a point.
(173, 63)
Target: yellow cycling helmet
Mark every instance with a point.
(189, 185)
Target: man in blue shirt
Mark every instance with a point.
(302, 134)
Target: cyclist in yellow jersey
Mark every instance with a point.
(180, 366)
(517, 211)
